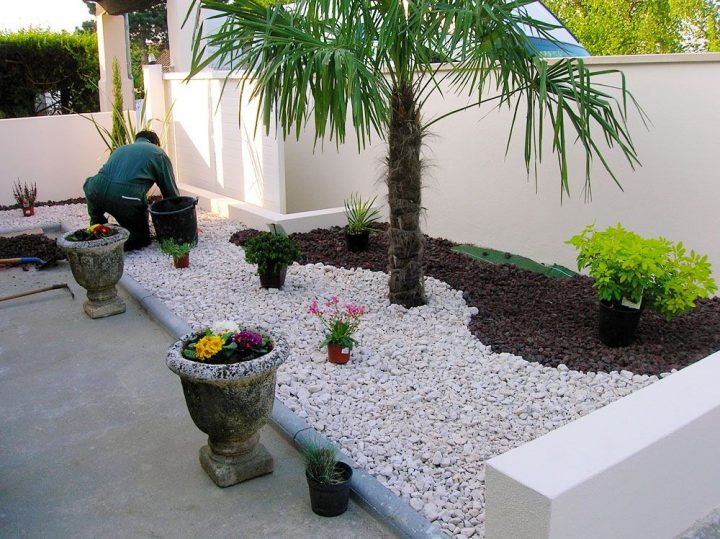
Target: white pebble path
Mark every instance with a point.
(422, 403)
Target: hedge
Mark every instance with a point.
(34, 62)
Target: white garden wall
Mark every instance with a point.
(216, 149)
(644, 466)
(474, 194)
(56, 152)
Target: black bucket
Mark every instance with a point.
(174, 218)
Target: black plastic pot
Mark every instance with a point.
(617, 324)
(357, 241)
(174, 218)
(330, 500)
(273, 279)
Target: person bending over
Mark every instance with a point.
(120, 187)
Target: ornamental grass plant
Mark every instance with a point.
(321, 465)
(360, 214)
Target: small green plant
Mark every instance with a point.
(25, 194)
(271, 251)
(628, 268)
(361, 214)
(320, 463)
(175, 249)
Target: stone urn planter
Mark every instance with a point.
(230, 403)
(97, 266)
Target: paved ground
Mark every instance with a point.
(96, 440)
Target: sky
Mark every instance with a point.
(53, 14)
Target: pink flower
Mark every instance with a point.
(313, 309)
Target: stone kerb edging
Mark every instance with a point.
(366, 490)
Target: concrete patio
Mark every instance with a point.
(97, 441)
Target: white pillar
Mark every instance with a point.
(154, 95)
(180, 37)
(112, 34)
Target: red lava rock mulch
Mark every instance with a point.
(543, 319)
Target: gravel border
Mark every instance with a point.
(383, 504)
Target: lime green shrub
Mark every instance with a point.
(660, 274)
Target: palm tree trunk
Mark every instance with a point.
(404, 193)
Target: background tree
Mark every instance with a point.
(371, 62)
(640, 26)
(148, 34)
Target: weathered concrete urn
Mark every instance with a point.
(97, 266)
(231, 403)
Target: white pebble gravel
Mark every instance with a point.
(421, 405)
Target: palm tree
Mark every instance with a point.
(376, 62)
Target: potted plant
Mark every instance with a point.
(96, 259)
(272, 253)
(180, 252)
(340, 324)
(632, 273)
(228, 375)
(361, 216)
(25, 196)
(328, 481)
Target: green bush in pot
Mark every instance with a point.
(272, 253)
(655, 272)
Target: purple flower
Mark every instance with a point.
(247, 340)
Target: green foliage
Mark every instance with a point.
(320, 464)
(607, 27)
(661, 274)
(271, 251)
(375, 63)
(360, 214)
(119, 131)
(34, 62)
(175, 249)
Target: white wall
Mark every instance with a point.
(214, 149)
(473, 194)
(56, 152)
(644, 466)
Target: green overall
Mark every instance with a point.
(120, 188)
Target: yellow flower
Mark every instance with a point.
(208, 346)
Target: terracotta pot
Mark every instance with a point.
(97, 266)
(28, 211)
(183, 261)
(230, 403)
(338, 354)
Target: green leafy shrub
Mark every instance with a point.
(360, 214)
(660, 274)
(35, 62)
(271, 251)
